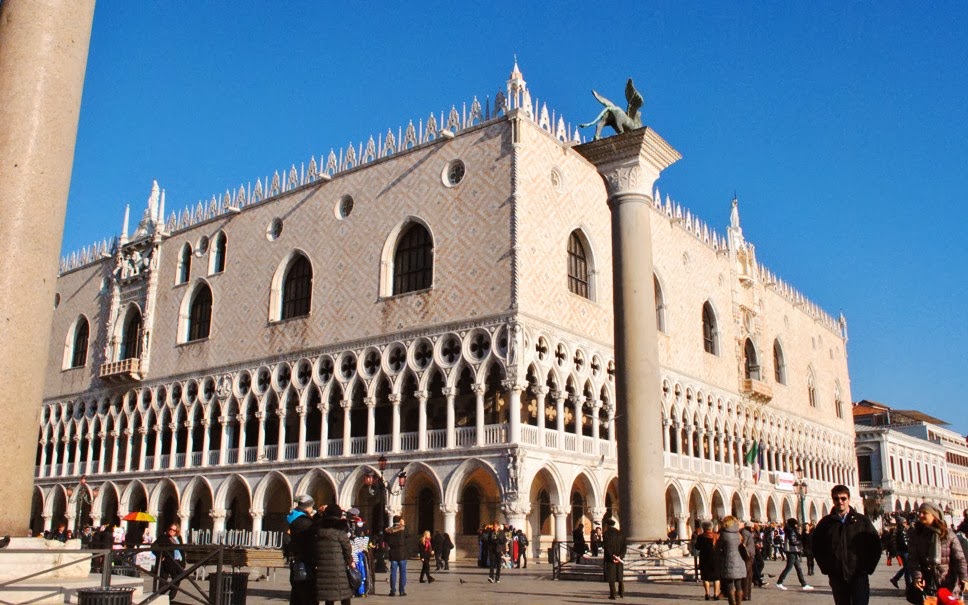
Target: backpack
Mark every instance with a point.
(522, 541)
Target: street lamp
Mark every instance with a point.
(378, 485)
(800, 485)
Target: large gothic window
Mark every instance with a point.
(811, 389)
(659, 305)
(297, 288)
(218, 253)
(184, 264)
(81, 336)
(577, 266)
(751, 365)
(779, 365)
(413, 261)
(200, 314)
(131, 337)
(710, 333)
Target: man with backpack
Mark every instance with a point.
(522, 549)
(496, 542)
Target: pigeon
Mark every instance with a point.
(461, 580)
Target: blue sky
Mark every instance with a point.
(841, 127)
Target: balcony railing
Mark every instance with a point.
(121, 371)
(757, 390)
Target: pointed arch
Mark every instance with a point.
(195, 313)
(407, 261)
(582, 267)
(291, 289)
(217, 254)
(779, 363)
(184, 271)
(710, 329)
(76, 344)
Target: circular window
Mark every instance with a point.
(454, 173)
(556, 180)
(202, 246)
(274, 230)
(344, 207)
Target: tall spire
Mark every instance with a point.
(517, 88)
(124, 227)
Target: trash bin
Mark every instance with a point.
(110, 595)
(234, 588)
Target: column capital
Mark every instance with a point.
(541, 390)
(217, 514)
(558, 510)
(256, 513)
(449, 509)
(346, 403)
(448, 391)
(514, 385)
(479, 388)
(394, 399)
(630, 163)
(421, 394)
(369, 402)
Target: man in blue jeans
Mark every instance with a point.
(901, 548)
(398, 541)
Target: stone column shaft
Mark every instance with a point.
(630, 164)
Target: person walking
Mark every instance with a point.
(170, 559)
(437, 542)
(398, 541)
(708, 560)
(900, 542)
(447, 545)
(578, 541)
(792, 548)
(847, 549)
(731, 551)
(497, 544)
(749, 545)
(963, 526)
(302, 551)
(426, 550)
(806, 539)
(333, 554)
(522, 561)
(935, 557)
(614, 549)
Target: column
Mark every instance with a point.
(281, 435)
(666, 446)
(142, 446)
(256, 522)
(630, 164)
(156, 455)
(395, 422)
(76, 467)
(41, 472)
(450, 525)
(370, 403)
(189, 442)
(43, 54)
(611, 422)
(89, 462)
(682, 527)
(48, 522)
(324, 431)
(479, 389)
(597, 513)
(115, 436)
(690, 439)
(578, 402)
(516, 513)
(127, 449)
(421, 419)
(218, 520)
(346, 404)
(223, 442)
(260, 440)
(206, 441)
(183, 518)
(301, 448)
(541, 393)
(450, 393)
(596, 423)
(55, 457)
(561, 523)
(560, 417)
(173, 450)
(514, 411)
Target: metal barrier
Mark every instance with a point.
(238, 538)
(124, 562)
(646, 552)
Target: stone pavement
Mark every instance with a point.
(533, 586)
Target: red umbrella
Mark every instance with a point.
(139, 516)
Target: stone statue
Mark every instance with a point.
(612, 115)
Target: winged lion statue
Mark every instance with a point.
(612, 115)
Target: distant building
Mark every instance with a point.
(440, 296)
(905, 457)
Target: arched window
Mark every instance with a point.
(779, 365)
(838, 401)
(218, 253)
(413, 261)
(577, 266)
(752, 367)
(200, 314)
(297, 288)
(131, 337)
(184, 264)
(659, 305)
(811, 389)
(710, 333)
(79, 349)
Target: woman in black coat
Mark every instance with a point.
(333, 555)
(708, 560)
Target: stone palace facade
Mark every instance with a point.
(440, 296)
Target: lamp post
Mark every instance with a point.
(378, 485)
(800, 485)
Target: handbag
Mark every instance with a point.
(298, 572)
(355, 577)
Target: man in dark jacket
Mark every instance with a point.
(437, 543)
(301, 550)
(847, 549)
(398, 541)
(900, 542)
(496, 540)
(613, 543)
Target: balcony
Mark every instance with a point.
(757, 390)
(126, 370)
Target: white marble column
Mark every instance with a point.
(682, 527)
(395, 422)
(223, 442)
(324, 431)
(301, 447)
(630, 164)
(370, 403)
(561, 523)
(218, 520)
(76, 467)
(450, 393)
(156, 455)
(128, 454)
(421, 419)
(347, 404)
(206, 441)
(514, 410)
(42, 472)
(541, 394)
(183, 523)
(596, 422)
(560, 417)
(257, 516)
(578, 402)
(173, 449)
(450, 525)
(260, 441)
(281, 435)
(479, 389)
(116, 450)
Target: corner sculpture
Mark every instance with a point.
(612, 115)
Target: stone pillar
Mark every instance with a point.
(370, 403)
(596, 423)
(218, 520)
(281, 435)
(256, 521)
(514, 411)
(395, 422)
(561, 523)
(43, 459)
(89, 462)
(421, 419)
(156, 455)
(597, 513)
(479, 411)
(223, 442)
(630, 164)
(450, 393)
(516, 513)
(560, 417)
(450, 525)
(173, 448)
(43, 54)
(115, 451)
(184, 530)
(142, 446)
(206, 441)
(541, 393)
(324, 430)
(682, 527)
(301, 448)
(346, 404)
(76, 469)
(260, 440)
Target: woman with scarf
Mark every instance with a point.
(935, 558)
(708, 560)
(426, 550)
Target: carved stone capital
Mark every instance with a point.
(541, 390)
(422, 395)
(369, 402)
(346, 404)
(256, 513)
(514, 385)
(630, 163)
(558, 510)
(479, 388)
(448, 391)
(394, 399)
(449, 509)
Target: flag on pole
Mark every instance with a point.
(758, 466)
(750, 456)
